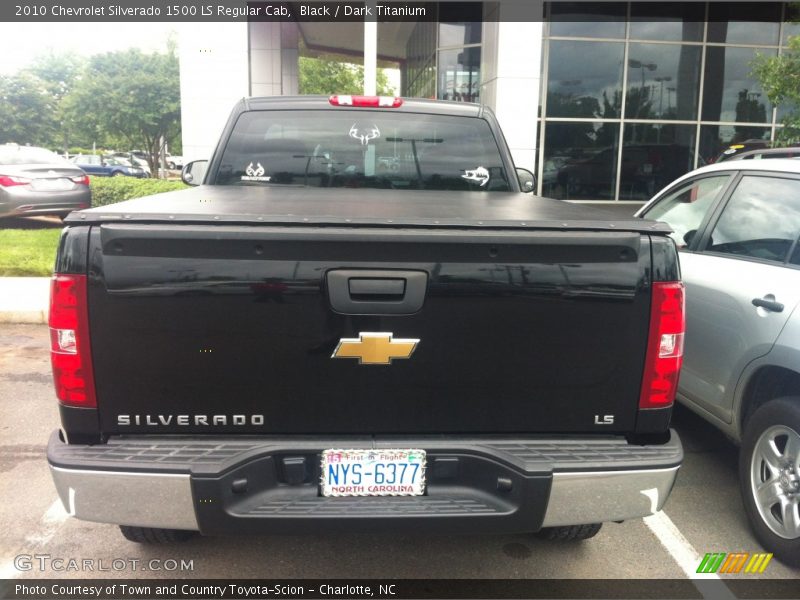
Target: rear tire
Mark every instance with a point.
(770, 459)
(151, 535)
(568, 533)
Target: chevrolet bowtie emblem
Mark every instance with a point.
(374, 348)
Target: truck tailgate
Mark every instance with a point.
(223, 328)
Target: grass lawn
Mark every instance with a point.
(28, 252)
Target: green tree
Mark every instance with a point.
(128, 97)
(780, 79)
(27, 110)
(327, 75)
(58, 73)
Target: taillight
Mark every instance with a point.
(69, 341)
(664, 345)
(367, 101)
(81, 180)
(9, 180)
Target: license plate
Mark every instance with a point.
(51, 185)
(373, 472)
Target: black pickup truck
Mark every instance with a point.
(360, 320)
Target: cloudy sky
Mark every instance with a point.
(20, 43)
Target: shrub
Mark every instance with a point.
(110, 190)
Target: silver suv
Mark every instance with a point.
(737, 225)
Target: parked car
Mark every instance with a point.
(737, 225)
(174, 161)
(791, 152)
(738, 148)
(102, 166)
(36, 181)
(141, 163)
(132, 160)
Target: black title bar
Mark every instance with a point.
(332, 11)
(391, 589)
(181, 11)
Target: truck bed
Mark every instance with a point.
(357, 207)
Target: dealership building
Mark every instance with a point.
(605, 102)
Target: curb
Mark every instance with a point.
(24, 299)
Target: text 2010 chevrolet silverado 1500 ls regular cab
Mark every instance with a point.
(360, 321)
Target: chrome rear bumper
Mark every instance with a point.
(161, 500)
(185, 483)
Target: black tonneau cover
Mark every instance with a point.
(357, 207)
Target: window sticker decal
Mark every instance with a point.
(255, 174)
(364, 134)
(479, 175)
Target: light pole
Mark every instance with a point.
(638, 64)
(661, 80)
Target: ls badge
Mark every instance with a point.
(374, 348)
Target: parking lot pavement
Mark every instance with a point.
(705, 506)
(42, 222)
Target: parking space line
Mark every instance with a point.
(49, 524)
(681, 550)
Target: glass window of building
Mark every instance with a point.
(460, 24)
(753, 23)
(685, 72)
(668, 21)
(459, 74)
(653, 155)
(663, 81)
(714, 139)
(790, 30)
(791, 21)
(459, 34)
(419, 71)
(588, 19)
(783, 110)
(730, 93)
(580, 160)
(458, 39)
(585, 79)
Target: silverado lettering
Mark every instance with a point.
(356, 298)
(186, 420)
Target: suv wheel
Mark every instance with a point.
(769, 475)
(570, 532)
(151, 535)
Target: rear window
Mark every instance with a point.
(358, 148)
(28, 155)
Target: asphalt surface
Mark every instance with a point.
(41, 222)
(705, 507)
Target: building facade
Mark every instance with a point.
(605, 102)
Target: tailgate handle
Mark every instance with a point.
(382, 288)
(372, 292)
